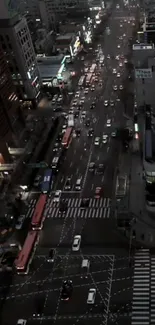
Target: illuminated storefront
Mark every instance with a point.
(76, 47)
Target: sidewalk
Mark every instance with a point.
(144, 227)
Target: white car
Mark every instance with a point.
(118, 46)
(108, 56)
(83, 115)
(112, 103)
(64, 127)
(120, 64)
(106, 103)
(77, 94)
(76, 243)
(117, 57)
(125, 61)
(108, 123)
(118, 75)
(113, 134)
(86, 91)
(121, 25)
(74, 102)
(97, 141)
(105, 138)
(82, 58)
(57, 196)
(115, 87)
(91, 296)
(120, 87)
(82, 100)
(114, 71)
(21, 322)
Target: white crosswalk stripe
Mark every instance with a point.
(152, 321)
(89, 213)
(93, 203)
(141, 288)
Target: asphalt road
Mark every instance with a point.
(106, 249)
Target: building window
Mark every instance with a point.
(7, 37)
(4, 46)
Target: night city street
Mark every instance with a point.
(86, 226)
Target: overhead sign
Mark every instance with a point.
(41, 164)
(143, 73)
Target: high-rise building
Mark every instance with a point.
(19, 52)
(52, 10)
(9, 106)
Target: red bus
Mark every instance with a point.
(25, 256)
(38, 217)
(67, 137)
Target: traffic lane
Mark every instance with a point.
(74, 163)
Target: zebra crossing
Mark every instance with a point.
(152, 322)
(90, 213)
(96, 209)
(76, 203)
(141, 313)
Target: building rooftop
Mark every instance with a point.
(67, 36)
(48, 71)
(46, 60)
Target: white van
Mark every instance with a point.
(78, 184)
(85, 268)
(91, 296)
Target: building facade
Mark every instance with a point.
(9, 107)
(17, 45)
(52, 10)
(144, 64)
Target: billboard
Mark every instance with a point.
(143, 73)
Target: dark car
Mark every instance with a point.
(59, 137)
(100, 169)
(66, 290)
(90, 132)
(76, 114)
(87, 122)
(85, 203)
(51, 255)
(78, 132)
(63, 205)
(92, 106)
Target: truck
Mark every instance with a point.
(70, 120)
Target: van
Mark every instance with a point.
(85, 268)
(78, 184)
(91, 296)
